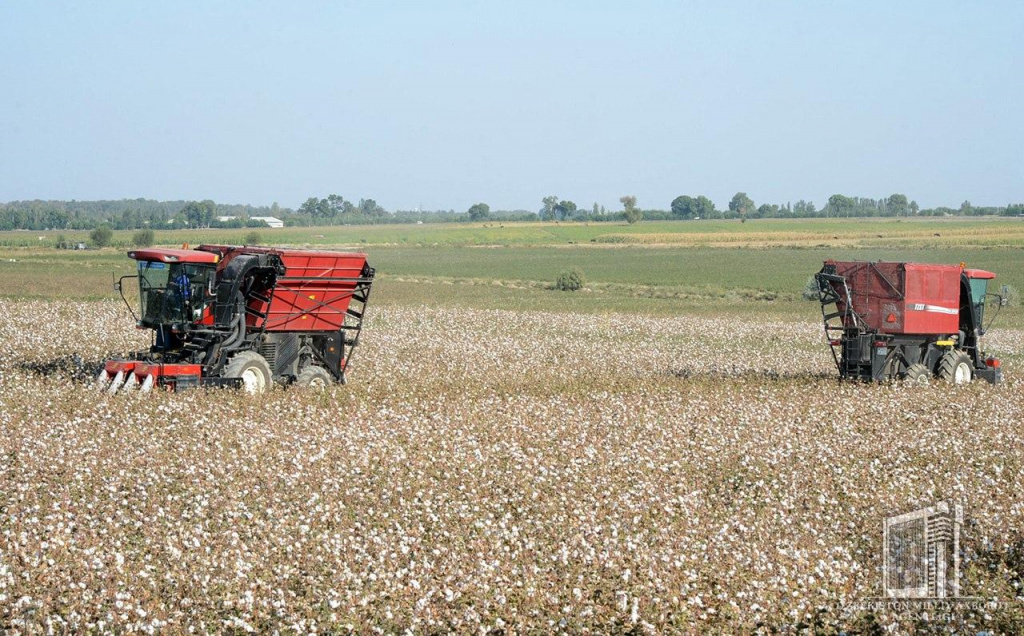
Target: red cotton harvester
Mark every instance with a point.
(907, 321)
(243, 316)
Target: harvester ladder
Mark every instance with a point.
(351, 329)
(833, 291)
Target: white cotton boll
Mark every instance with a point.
(508, 463)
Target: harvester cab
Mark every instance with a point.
(243, 316)
(177, 292)
(909, 321)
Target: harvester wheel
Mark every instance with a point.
(252, 368)
(917, 374)
(955, 367)
(314, 377)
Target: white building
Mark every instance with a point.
(271, 221)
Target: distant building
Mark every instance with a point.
(271, 221)
(225, 219)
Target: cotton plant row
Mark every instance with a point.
(488, 471)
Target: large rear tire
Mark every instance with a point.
(314, 377)
(252, 368)
(955, 367)
(917, 374)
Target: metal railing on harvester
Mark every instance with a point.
(836, 300)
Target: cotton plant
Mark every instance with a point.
(487, 471)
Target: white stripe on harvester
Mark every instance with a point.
(935, 309)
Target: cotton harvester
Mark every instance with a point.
(244, 317)
(907, 320)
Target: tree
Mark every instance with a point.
(479, 211)
(803, 209)
(335, 205)
(915, 209)
(686, 207)
(742, 205)
(58, 219)
(703, 208)
(310, 206)
(101, 236)
(633, 214)
(682, 207)
(369, 207)
(548, 211)
(565, 209)
(209, 212)
(143, 238)
(193, 213)
(897, 205)
(839, 205)
(199, 213)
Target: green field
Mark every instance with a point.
(658, 267)
(976, 231)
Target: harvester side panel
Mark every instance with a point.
(933, 299)
(901, 298)
(313, 294)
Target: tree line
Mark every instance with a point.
(125, 214)
(840, 206)
(135, 214)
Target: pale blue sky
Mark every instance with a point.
(443, 104)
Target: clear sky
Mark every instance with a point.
(443, 104)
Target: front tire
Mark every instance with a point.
(252, 368)
(314, 377)
(955, 367)
(917, 374)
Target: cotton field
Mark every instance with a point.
(492, 472)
